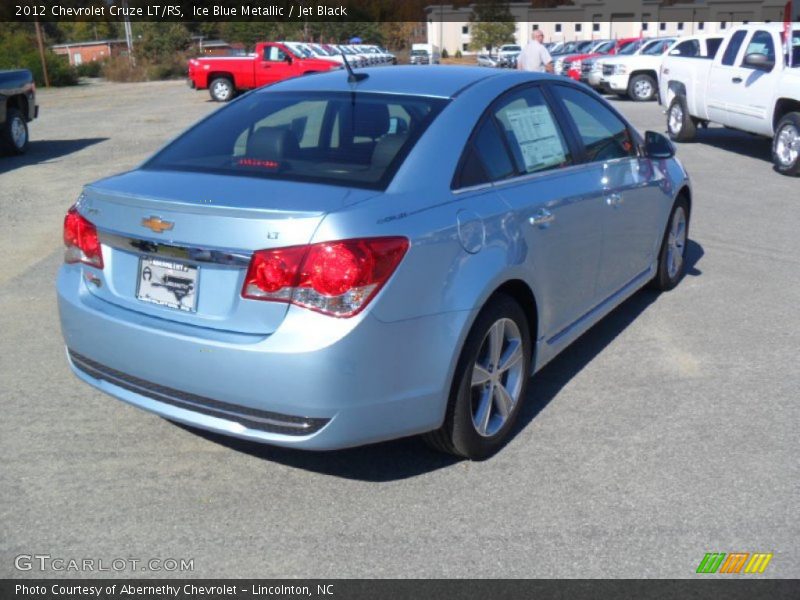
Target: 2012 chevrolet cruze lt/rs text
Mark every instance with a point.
(326, 262)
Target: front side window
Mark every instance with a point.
(604, 135)
(532, 132)
(761, 43)
(356, 140)
(274, 54)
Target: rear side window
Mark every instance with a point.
(486, 158)
(689, 49)
(604, 135)
(733, 48)
(357, 140)
(713, 46)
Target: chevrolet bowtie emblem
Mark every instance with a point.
(156, 225)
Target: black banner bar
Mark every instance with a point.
(563, 11)
(734, 588)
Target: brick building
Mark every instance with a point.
(83, 52)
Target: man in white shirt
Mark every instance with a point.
(535, 57)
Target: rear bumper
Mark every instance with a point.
(316, 383)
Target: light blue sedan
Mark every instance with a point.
(326, 263)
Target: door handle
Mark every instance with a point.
(614, 200)
(737, 80)
(542, 219)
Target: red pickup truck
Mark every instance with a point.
(271, 62)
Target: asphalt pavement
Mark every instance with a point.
(668, 431)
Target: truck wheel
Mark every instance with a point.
(786, 145)
(221, 89)
(15, 132)
(680, 124)
(642, 88)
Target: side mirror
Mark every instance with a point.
(759, 61)
(657, 145)
(675, 52)
(288, 58)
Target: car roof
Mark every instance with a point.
(430, 80)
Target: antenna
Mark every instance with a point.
(352, 76)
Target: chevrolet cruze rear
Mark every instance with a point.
(328, 263)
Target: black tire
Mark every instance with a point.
(667, 278)
(221, 89)
(458, 434)
(787, 162)
(637, 86)
(680, 125)
(14, 134)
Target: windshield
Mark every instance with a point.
(511, 49)
(419, 53)
(604, 47)
(629, 48)
(656, 48)
(343, 138)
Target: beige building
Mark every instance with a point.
(449, 27)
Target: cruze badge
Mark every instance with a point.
(156, 225)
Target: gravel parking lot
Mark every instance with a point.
(668, 431)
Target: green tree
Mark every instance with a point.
(160, 41)
(18, 50)
(493, 25)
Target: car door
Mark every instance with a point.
(273, 67)
(555, 215)
(725, 81)
(750, 108)
(625, 189)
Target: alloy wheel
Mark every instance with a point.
(222, 90)
(497, 377)
(676, 243)
(643, 89)
(787, 145)
(676, 118)
(18, 133)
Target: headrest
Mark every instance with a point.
(386, 149)
(272, 143)
(370, 120)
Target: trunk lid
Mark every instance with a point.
(194, 233)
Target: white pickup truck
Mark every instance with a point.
(637, 75)
(747, 86)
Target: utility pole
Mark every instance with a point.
(128, 35)
(41, 52)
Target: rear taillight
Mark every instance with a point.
(80, 238)
(335, 278)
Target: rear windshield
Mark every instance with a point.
(343, 138)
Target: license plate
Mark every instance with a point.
(168, 283)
